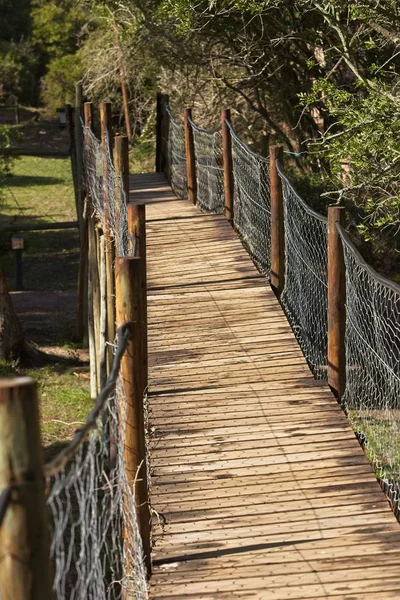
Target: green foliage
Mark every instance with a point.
(5, 161)
(60, 80)
(18, 71)
(56, 26)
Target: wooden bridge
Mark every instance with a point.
(261, 488)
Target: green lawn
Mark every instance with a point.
(64, 397)
(40, 191)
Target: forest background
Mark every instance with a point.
(319, 77)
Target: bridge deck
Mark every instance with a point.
(264, 490)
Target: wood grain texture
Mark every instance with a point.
(262, 486)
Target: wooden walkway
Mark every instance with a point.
(261, 487)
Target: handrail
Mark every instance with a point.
(244, 145)
(307, 208)
(210, 131)
(388, 283)
(171, 116)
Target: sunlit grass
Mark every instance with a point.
(64, 397)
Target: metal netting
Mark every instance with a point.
(304, 297)
(252, 202)
(96, 548)
(177, 156)
(209, 169)
(372, 395)
(106, 191)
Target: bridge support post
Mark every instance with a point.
(106, 143)
(25, 571)
(277, 222)
(137, 235)
(162, 130)
(227, 164)
(130, 309)
(336, 303)
(190, 156)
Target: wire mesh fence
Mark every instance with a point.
(176, 156)
(304, 296)
(251, 202)
(209, 169)
(372, 395)
(106, 193)
(96, 548)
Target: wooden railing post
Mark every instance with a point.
(277, 222)
(93, 280)
(162, 132)
(82, 300)
(25, 572)
(190, 156)
(227, 164)
(121, 166)
(130, 308)
(336, 303)
(69, 115)
(79, 153)
(137, 233)
(106, 141)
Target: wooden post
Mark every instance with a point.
(137, 231)
(79, 152)
(25, 572)
(123, 79)
(162, 132)
(336, 303)
(69, 114)
(227, 164)
(190, 156)
(277, 222)
(121, 166)
(82, 300)
(158, 133)
(94, 294)
(129, 295)
(106, 141)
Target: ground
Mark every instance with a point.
(40, 190)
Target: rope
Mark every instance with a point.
(63, 458)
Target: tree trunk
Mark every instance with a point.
(12, 341)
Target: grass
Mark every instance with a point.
(64, 397)
(40, 191)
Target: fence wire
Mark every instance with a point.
(96, 547)
(372, 395)
(177, 156)
(252, 202)
(209, 169)
(304, 296)
(105, 190)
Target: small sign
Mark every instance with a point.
(17, 242)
